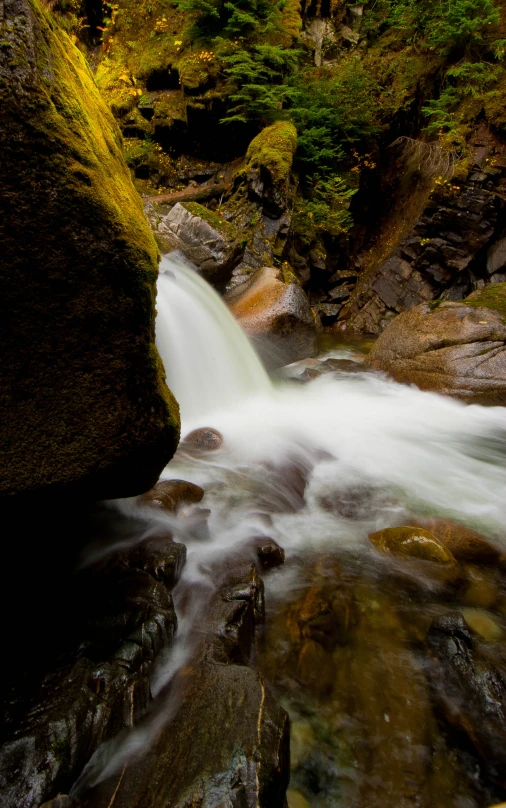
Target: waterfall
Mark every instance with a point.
(209, 361)
(392, 451)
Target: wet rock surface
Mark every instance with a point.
(469, 688)
(169, 495)
(205, 439)
(96, 679)
(455, 349)
(228, 742)
(267, 307)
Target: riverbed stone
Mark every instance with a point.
(456, 349)
(483, 624)
(267, 307)
(469, 689)
(464, 544)
(81, 382)
(169, 495)
(204, 439)
(411, 542)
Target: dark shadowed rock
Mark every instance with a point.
(170, 494)
(81, 381)
(457, 349)
(266, 306)
(228, 742)
(101, 685)
(469, 690)
(268, 552)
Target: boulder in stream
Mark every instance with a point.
(227, 744)
(276, 312)
(457, 349)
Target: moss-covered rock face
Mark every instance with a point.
(83, 402)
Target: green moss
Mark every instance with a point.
(77, 380)
(273, 149)
(490, 297)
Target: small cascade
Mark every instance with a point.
(209, 361)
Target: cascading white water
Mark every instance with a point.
(403, 450)
(209, 361)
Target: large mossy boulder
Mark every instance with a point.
(457, 349)
(83, 404)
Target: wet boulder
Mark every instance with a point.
(211, 243)
(169, 495)
(205, 439)
(465, 544)
(269, 309)
(456, 349)
(81, 382)
(227, 744)
(411, 542)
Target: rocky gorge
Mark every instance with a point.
(277, 581)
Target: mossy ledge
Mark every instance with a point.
(273, 150)
(490, 297)
(83, 402)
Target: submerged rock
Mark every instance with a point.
(457, 349)
(462, 542)
(81, 382)
(267, 307)
(469, 690)
(211, 243)
(413, 542)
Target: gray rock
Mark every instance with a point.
(456, 349)
(213, 250)
(496, 256)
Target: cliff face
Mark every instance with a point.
(83, 402)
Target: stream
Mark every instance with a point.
(317, 465)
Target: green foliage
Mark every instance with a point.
(255, 79)
(327, 211)
(464, 25)
(333, 110)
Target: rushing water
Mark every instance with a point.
(209, 362)
(353, 437)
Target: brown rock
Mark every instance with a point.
(413, 542)
(456, 349)
(170, 494)
(266, 306)
(462, 542)
(205, 439)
